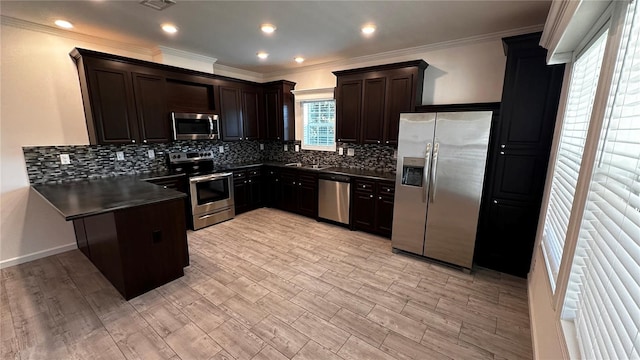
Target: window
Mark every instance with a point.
(319, 125)
(582, 91)
(602, 301)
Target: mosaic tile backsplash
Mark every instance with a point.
(99, 161)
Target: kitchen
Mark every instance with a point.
(469, 71)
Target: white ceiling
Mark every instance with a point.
(321, 31)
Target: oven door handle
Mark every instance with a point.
(203, 178)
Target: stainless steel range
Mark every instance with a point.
(210, 191)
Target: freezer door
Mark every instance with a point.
(412, 181)
(458, 165)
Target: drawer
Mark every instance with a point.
(363, 186)
(254, 172)
(386, 188)
(239, 174)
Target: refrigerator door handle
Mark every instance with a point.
(434, 165)
(427, 166)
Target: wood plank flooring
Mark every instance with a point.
(268, 285)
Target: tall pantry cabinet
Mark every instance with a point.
(518, 157)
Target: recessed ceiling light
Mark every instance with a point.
(262, 55)
(171, 29)
(368, 29)
(299, 59)
(64, 24)
(267, 28)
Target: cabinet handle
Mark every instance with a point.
(495, 201)
(294, 183)
(503, 146)
(379, 197)
(501, 152)
(133, 141)
(249, 181)
(339, 140)
(144, 141)
(388, 190)
(165, 187)
(245, 181)
(277, 180)
(370, 196)
(378, 141)
(240, 138)
(278, 138)
(364, 186)
(299, 184)
(386, 142)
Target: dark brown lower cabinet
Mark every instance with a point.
(291, 190)
(247, 189)
(137, 249)
(372, 206)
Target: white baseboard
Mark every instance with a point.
(532, 318)
(37, 255)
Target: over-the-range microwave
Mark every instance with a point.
(191, 126)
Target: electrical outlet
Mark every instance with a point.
(119, 155)
(64, 159)
(261, 146)
(340, 151)
(220, 149)
(152, 154)
(286, 147)
(351, 152)
(297, 147)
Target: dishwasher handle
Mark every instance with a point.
(334, 177)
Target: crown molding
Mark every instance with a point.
(247, 73)
(28, 25)
(312, 91)
(386, 56)
(162, 50)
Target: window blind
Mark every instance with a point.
(582, 89)
(319, 123)
(603, 295)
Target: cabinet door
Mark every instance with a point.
(511, 234)
(272, 113)
(112, 105)
(273, 188)
(400, 98)
(384, 214)
(373, 110)
(255, 193)
(308, 196)
(364, 212)
(151, 106)
(289, 191)
(230, 113)
(190, 94)
(240, 195)
(349, 111)
(251, 116)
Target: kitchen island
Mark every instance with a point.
(133, 231)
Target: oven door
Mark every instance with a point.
(210, 193)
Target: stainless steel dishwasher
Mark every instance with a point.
(334, 196)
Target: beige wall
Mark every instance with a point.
(458, 74)
(41, 105)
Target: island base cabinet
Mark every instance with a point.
(137, 249)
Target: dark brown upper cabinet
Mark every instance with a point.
(279, 112)
(369, 101)
(253, 113)
(230, 113)
(129, 101)
(151, 106)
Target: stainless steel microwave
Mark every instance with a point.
(190, 126)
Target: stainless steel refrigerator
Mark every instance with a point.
(439, 179)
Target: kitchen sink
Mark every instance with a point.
(308, 166)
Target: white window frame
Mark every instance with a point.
(302, 96)
(613, 17)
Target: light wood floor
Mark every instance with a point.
(268, 285)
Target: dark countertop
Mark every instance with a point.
(75, 200)
(362, 173)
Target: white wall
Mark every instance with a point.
(458, 74)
